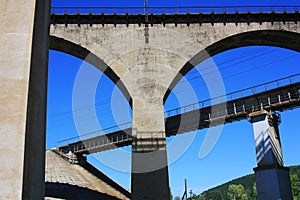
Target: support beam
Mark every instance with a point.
(24, 34)
(272, 178)
(149, 178)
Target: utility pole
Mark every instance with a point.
(184, 196)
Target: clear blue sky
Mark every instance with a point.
(234, 154)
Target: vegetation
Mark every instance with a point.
(244, 188)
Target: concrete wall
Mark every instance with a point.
(15, 58)
(170, 47)
(22, 99)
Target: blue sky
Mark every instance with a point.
(234, 154)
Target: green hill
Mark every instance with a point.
(246, 188)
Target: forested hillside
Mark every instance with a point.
(244, 188)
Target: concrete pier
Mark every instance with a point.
(149, 175)
(272, 178)
(24, 34)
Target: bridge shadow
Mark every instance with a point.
(73, 192)
(55, 188)
(90, 168)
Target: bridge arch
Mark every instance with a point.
(60, 44)
(277, 38)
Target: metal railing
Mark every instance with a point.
(175, 10)
(103, 142)
(235, 95)
(199, 105)
(94, 134)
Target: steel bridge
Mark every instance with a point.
(279, 95)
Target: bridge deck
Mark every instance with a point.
(188, 18)
(278, 99)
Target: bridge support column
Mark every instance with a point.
(24, 33)
(149, 178)
(272, 178)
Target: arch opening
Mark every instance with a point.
(60, 44)
(276, 38)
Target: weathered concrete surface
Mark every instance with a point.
(17, 56)
(171, 47)
(65, 180)
(149, 172)
(34, 158)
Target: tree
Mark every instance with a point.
(177, 198)
(237, 192)
(193, 197)
(254, 191)
(171, 195)
(201, 197)
(295, 183)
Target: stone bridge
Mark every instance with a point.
(146, 59)
(145, 56)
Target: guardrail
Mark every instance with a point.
(202, 104)
(94, 134)
(235, 95)
(175, 10)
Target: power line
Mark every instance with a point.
(245, 71)
(261, 53)
(68, 115)
(108, 100)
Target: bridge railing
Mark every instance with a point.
(235, 95)
(175, 10)
(202, 104)
(94, 134)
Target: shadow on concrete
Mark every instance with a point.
(73, 192)
(90, 168)
(93, 170)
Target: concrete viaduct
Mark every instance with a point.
(145, 56)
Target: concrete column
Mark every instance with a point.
(272, 178)
(149, 178)
(23, 82)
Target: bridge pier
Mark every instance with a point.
(272, 178)
(24, 33)
(149, 175)
(149, 167)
